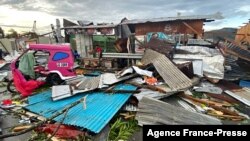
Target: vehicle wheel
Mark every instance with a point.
(11, 87)
(54, 79)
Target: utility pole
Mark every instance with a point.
(54, 33)
(34, 27)
(58, 31)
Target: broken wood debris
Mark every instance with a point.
(162, 78)
(211, 104)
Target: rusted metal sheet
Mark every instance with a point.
(160, 46)
(155, 112)
(226, 85)
(175, 79)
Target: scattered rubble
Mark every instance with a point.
(151, 78)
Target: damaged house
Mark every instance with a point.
(138, 72)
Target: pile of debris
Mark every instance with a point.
(186, 89)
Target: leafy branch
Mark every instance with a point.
(122, 130)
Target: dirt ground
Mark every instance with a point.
(8, 121)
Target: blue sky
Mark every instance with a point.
(23, 12)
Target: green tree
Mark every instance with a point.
(12, 34)
(1, 33)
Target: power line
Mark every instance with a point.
(19, 26)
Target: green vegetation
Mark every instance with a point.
(122, 130)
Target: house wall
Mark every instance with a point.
(84, 44)
(9, 44)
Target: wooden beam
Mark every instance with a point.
(190, 27)
(222, 109)
(154, 88)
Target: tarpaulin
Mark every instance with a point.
(26, 65)
(22, 85)
(212, 59)
(64, 131)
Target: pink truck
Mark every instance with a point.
(55, 62)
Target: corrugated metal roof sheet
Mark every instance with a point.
(100, 109)
(89, 83)
(241, 95)
(199, 42)
(175, 79)
(90, 26)
(164, 19)
(100, 26)
(156, 112)
(235, 50)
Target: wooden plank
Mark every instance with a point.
(210, 104)
(20, 128)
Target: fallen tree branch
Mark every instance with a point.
(42, 122)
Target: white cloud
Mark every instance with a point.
(24, 12)
(245, 8)
(25, 18)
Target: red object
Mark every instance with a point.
(22, 85)
(150, 80)
(7, 102)
(98, 49)
(65, 132)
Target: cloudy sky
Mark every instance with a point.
(22, 13)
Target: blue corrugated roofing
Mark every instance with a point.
(100, 109)
(244, 83)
